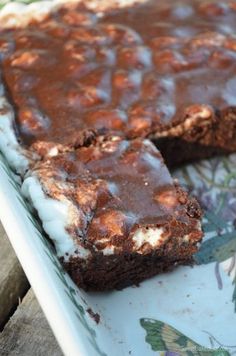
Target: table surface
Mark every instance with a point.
(24, 330)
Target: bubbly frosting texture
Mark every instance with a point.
(120, 196)
(132, 71)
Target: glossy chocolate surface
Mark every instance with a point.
(119, 186)
(132, 72)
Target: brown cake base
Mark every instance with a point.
(123, 270)
(177, 151)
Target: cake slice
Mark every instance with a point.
(114, 213)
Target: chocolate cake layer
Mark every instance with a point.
(156, 69)
(126, 218)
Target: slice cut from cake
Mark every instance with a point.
(115, 214)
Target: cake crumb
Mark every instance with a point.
(94, 316)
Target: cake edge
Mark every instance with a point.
(19, 15)
(17, 157)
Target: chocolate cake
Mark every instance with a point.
(87, 77)
(126, 217)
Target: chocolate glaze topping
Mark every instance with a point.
(133, 72)
(119, 186)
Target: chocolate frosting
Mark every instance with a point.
(119, 186)
(133, 72)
